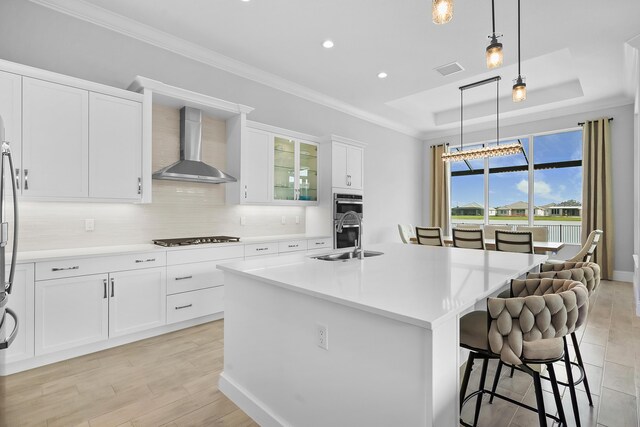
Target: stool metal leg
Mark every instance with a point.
(495, 380)
(572, 387)
(465, 379)
(483, 376)
(556, 393)
(542, 415)
(574, 339)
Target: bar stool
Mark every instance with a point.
(431, 236)
(468, 238)
(521, 331)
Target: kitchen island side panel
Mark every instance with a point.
(376, 371)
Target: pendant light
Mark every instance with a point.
(442, 11)
(519, 93)
(495, 55)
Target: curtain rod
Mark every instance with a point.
(582, 123)
(446, 144)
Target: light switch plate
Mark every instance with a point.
(89, 224)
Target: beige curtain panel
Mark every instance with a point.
(597, 194)
(439, 191)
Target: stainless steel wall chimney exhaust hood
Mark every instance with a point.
(190, 167)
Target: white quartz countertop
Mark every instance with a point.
(421, 285)
(58, 254)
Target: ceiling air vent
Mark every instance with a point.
(448, 69)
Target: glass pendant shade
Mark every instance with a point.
(519, 93)
(442, 11)
(495, 55)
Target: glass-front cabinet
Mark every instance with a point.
(295, 170)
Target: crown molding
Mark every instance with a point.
(88, 12)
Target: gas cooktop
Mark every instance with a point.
(186, 241)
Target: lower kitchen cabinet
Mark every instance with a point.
(75, 311)
(136, 300)
(189, 305)
(71, 312)
(20, 301)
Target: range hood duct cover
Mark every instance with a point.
(190, 167)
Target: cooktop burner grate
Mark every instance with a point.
(186, 241)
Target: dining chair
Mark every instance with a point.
(406, 232)
(523, 331)
(468, 238)
(490, 230)
(514, 241)
(545, 283)
(431, 236)
(586, 252)
(540, 234)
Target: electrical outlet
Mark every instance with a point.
(243, 220)
(297, 219)
(284, 220)
(322, 336)
(89, 225)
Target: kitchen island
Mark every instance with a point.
(363, 342)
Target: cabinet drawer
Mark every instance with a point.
(292, 246)
(189, 305)
(261, 249)
(191, 277)
(324, 243)
(183, 256)
(84, 266)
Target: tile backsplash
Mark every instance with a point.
(179, 209)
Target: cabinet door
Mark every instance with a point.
(55, 133)
(115, 147)
(339, 165)
(284, 169)
(354, 168)
(255, 168)
(137, 300)
(11, 112)
(21, 301)
(70, 312)
(308, 172)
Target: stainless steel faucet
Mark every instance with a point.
(358, 248)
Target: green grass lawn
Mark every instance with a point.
(518, 218)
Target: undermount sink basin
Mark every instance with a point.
(345, 256)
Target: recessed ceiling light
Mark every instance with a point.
(327, 44)
(245, 1)
(382, 75)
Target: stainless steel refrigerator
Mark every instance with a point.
(7, 337)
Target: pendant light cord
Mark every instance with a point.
(461, 116)
(497, 112)
(519, 75)
(493, 17)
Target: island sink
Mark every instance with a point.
(345, 256)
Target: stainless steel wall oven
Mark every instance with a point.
(350, 235)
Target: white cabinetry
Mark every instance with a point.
(256, 173)
(75, 310)
(136, 301)
(20, 301)
(71, 312)
(115, 133)
(346, 167)
(11, 112)
(55, 140)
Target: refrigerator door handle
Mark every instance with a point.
(6, 343)
(14, 252)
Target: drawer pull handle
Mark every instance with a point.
(184, 278)
(319, 243)
(184, 306)
(293, 246)
(75, 267)
(104, 283)
(262, 249)
(145, 260)
(113, 287)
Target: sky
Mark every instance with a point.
(550, 185)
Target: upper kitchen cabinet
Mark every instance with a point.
(72, 140)
(347, 159)
(274, 166)
(55, 121)
(115, 132)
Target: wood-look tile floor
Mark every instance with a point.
(172, 380)
(610, 347)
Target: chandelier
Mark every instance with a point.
(479, 153)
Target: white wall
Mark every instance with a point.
(39, 37)
(622, 138)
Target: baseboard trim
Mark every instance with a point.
(248, 403)
(623, 276)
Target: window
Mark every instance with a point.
(541, 186)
